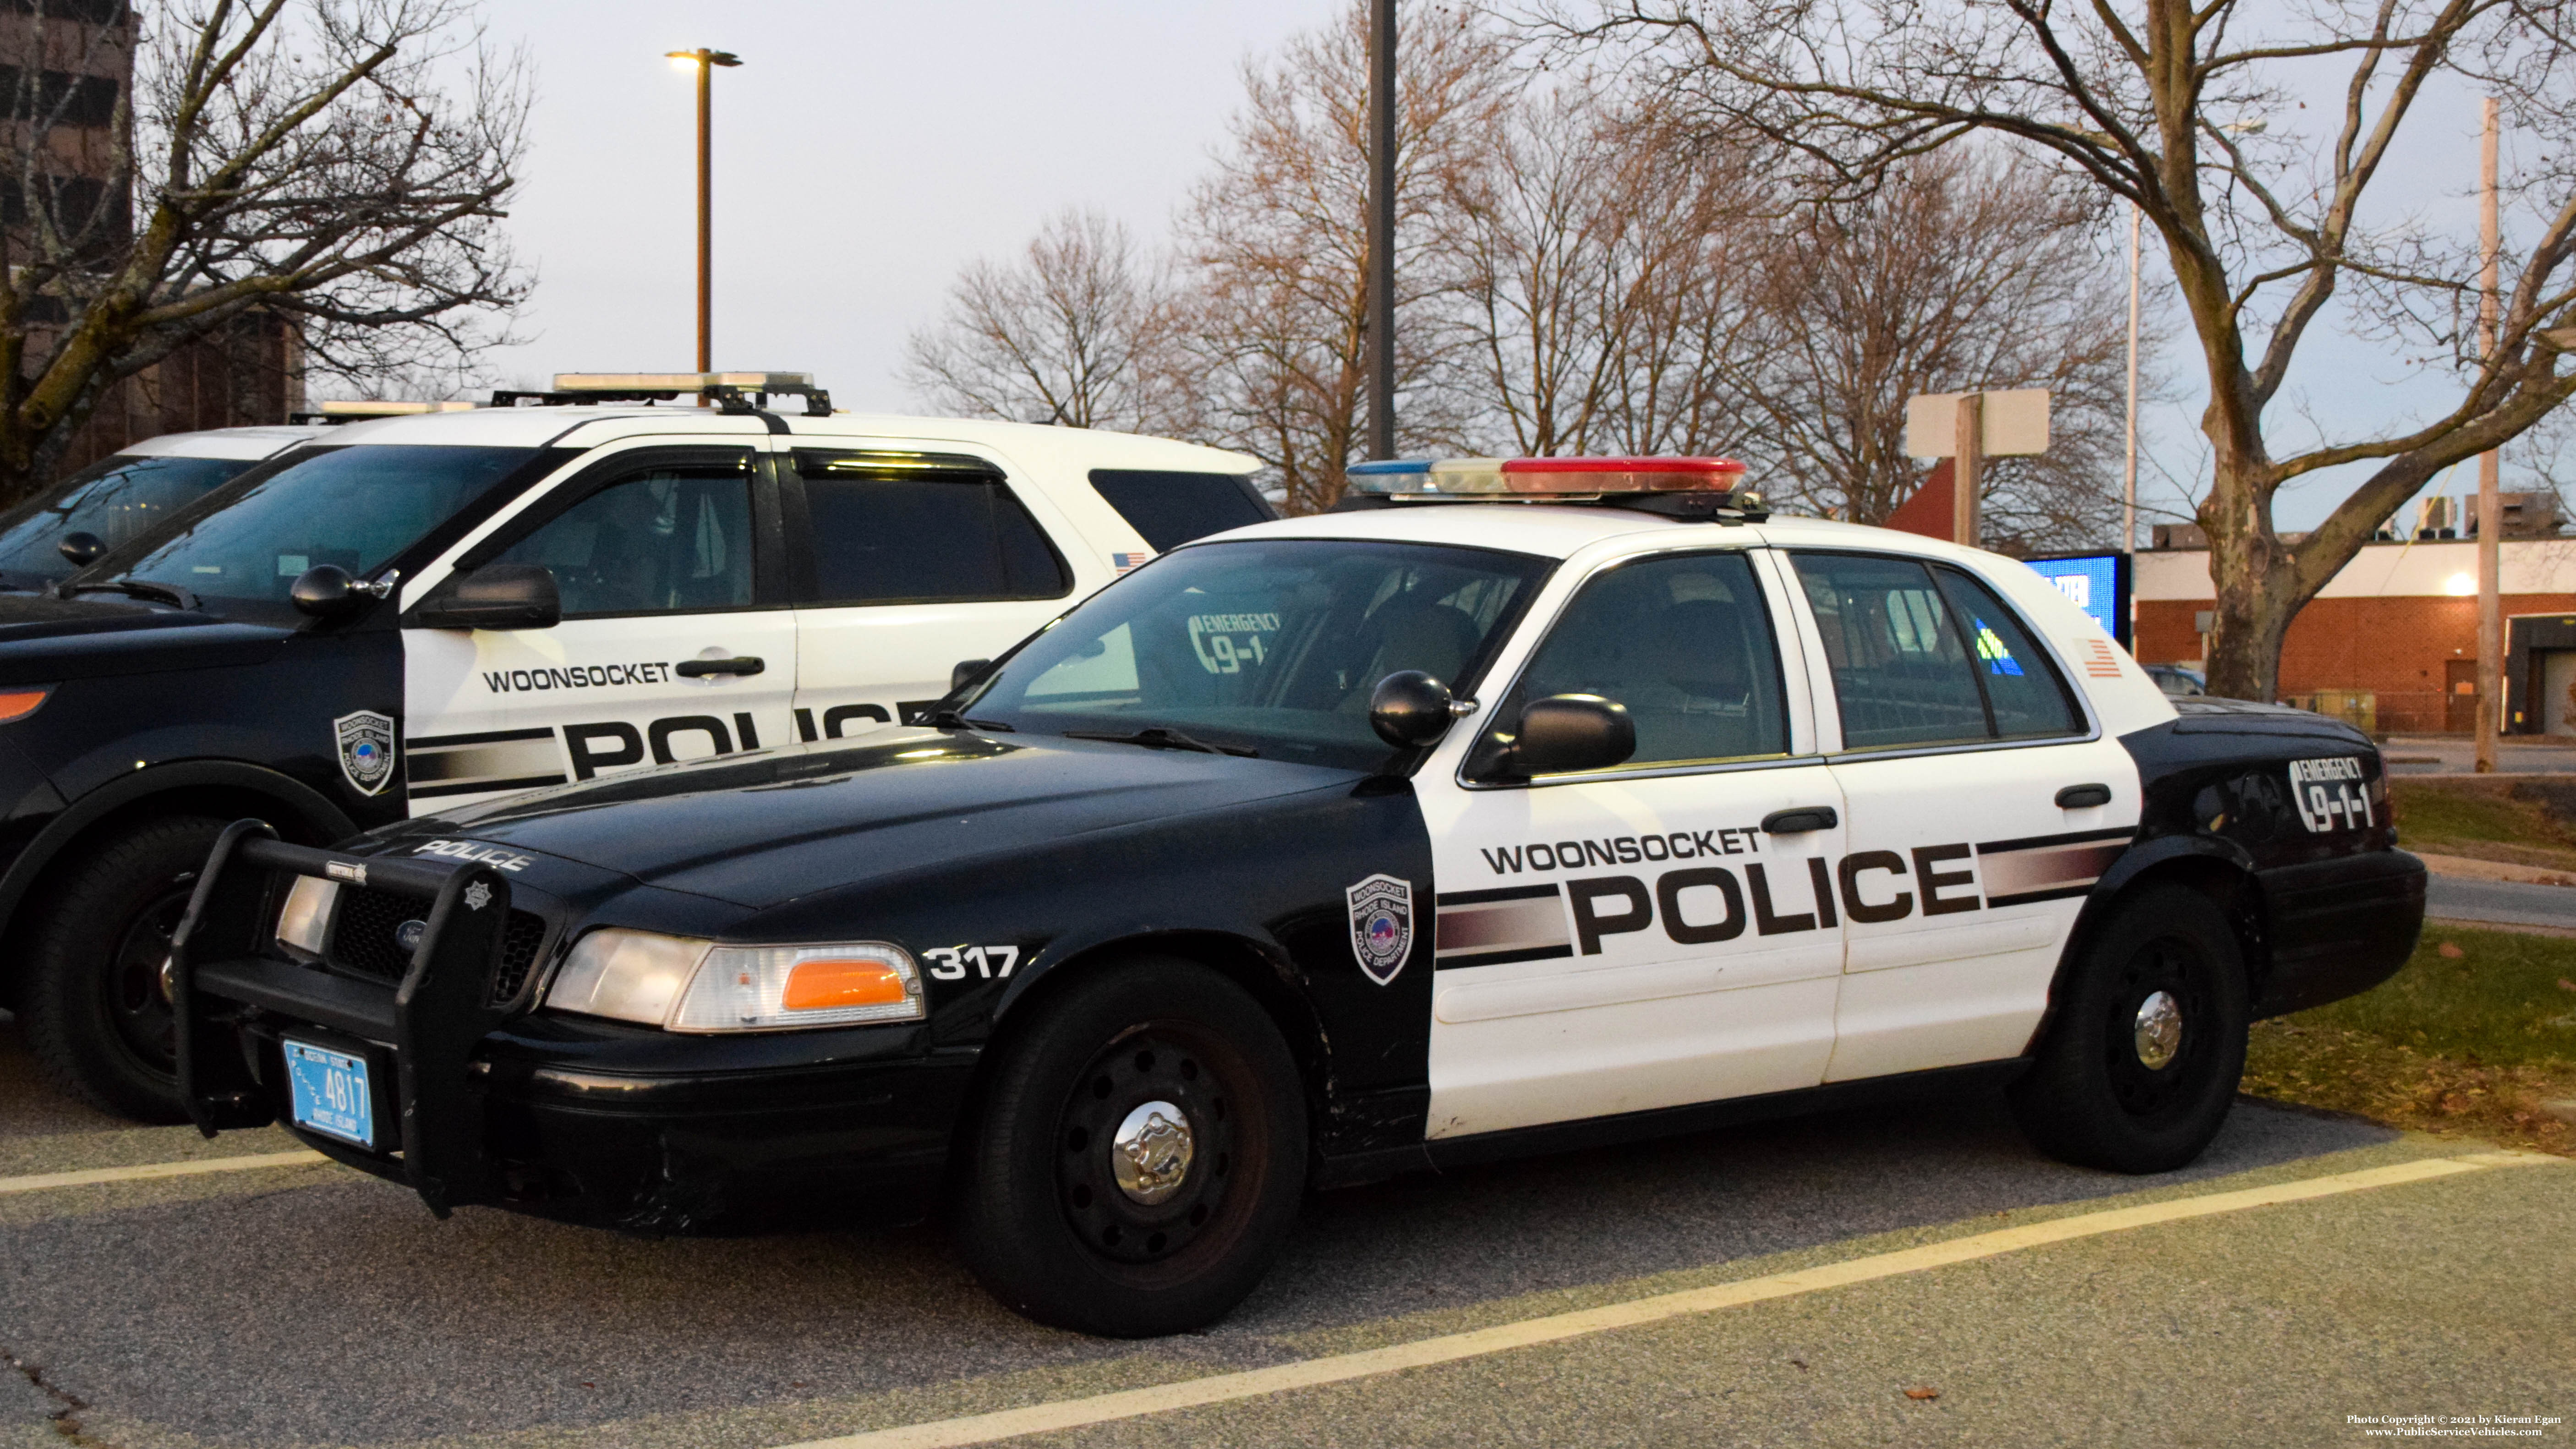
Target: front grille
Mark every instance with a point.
(364, 943)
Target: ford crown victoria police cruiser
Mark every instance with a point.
(1413, 834)
(415, 613)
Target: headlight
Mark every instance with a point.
(697, 986)
(765, 988)
(629, 975)
(307, 914)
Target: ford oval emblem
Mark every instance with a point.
(408, 934)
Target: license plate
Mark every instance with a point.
(330, 1093)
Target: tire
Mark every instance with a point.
(95, 1017)
(1046, 1223)
(2098, 1095)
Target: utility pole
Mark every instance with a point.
(705, 61)
(2129, 470)
(1379, 364)
(1966, 464)
(2490, 504)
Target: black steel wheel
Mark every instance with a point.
(1139, 1156)
(2141, 1062)
(95, 1015)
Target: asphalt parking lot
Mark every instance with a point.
(305, 1304)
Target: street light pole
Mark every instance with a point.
(2490, 503)
(705, 61)
(2129, 472)
(1379, 364)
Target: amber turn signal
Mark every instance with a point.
(17, 704)
(831, 984)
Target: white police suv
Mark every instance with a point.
(410, 614)
(1516, 805)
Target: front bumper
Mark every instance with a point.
(479, 1101)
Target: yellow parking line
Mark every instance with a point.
(1340, 1368)
(43, 1180)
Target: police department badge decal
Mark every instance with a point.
(1381, 925)
(366, 741)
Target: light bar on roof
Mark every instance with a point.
(1545, 477)
(634, 382)
(338, 408)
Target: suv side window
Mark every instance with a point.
(672, 541)
(881, 537)
(1919, 662)
(1685, 644)
(1169, 508)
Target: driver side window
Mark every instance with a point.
(671, 541)
(1685, 644)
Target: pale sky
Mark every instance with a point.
(866, 150)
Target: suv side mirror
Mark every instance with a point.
(1409, 708)
(966, 672)
(326, 591)
(83, 549)
(1564, 733)
(496, 596)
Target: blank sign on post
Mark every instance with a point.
(2016, 423)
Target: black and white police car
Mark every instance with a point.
(1515, 805)
(405, 615)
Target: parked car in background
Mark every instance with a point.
(424, 612)
(122, 496)
(2178, 680)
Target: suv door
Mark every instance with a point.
(677, 641)
(1635, 937)
(1957, 733)
(904, 565)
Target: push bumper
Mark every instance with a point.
(478, 1102)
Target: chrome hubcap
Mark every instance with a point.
(2158, 1030)
(1150, 1154)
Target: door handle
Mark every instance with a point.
(700, 668)
(1800, 820)
(2083, 797)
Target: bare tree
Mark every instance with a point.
(1078, 331)
(2149, 104)
(1959, 271)
(1276, 243)
(1607, 278)
(301, 159)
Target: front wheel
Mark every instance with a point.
(1139, 1157)
(96, 1017)
(2141, 1064)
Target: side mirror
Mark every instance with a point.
(1568, 732)
(1409, 708)
(967, 672)
(83, 549)
(326, 591)
(497, 596)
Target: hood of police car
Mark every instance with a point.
(768, 826)
(45, 638)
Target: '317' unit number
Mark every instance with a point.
(949, 963)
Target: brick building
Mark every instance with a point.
(2400, 622)
(83, 55)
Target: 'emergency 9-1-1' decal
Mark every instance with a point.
(2330, 795)
(1703, 904)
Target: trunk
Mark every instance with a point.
(2255, 579)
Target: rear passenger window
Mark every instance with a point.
(1920, 662)
(1685, 644)
(1171, 508)
(880, 537)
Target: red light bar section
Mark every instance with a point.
(1622, 475)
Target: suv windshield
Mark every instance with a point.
(358, 507)
(119, 499)
(1272, 646)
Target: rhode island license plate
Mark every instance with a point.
(330, 1093)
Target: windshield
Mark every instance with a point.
(358, 507)
(1272, 645)
(119, 499)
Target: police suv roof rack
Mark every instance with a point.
(739, 393)
(359, 410)
(1708, 489)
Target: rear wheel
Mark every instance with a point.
(95, 1015)
(2138, 1071)
(1139, 1157)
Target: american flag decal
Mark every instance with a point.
(2100, 660)
(1126, 561)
